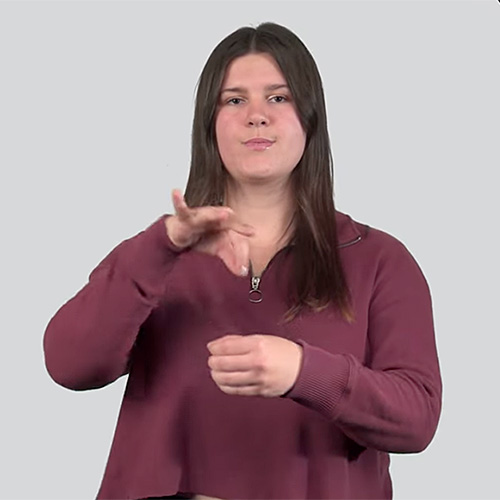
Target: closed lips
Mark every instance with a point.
(259, 141)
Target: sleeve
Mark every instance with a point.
(87, 343)
(392, 403)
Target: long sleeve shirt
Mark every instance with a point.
(364, 389)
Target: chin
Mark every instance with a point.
(256, 172)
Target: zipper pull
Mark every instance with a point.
(255, 295)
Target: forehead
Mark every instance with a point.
(257, 69)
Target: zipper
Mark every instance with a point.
(255, 293)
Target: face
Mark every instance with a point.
(259, 134)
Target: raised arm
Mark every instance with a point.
(88, 342)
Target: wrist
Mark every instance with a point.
(172, 232)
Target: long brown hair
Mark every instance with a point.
(317, 278)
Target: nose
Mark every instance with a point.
(257, 121)
(257, 117)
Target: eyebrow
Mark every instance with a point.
(242, 90)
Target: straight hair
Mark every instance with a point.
(317, 279)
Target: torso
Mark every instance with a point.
(260, 258)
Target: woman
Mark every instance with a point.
(275, 347)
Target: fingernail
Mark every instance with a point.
(244, 271)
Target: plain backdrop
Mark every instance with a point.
(96, 102)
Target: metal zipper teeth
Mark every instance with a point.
(255, 293)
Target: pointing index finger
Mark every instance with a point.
(180, 205)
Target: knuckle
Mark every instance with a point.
(260, 363)
(260, 343)
(261, 378)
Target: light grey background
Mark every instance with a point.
(96, 102)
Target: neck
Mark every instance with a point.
(268, 208)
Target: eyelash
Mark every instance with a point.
(229, 101)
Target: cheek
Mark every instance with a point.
(290, 121)
(223, 132)
(298, 136)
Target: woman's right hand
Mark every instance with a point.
(212, 230)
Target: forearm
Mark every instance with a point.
(393, 410)
(89, 340)
(391, 399)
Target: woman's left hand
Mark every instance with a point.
(254, 365)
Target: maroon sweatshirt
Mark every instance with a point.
(364, 390)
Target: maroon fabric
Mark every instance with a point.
(364, 389)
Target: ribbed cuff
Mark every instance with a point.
(322, 380)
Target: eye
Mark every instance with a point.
(234, 100)
(279, 98)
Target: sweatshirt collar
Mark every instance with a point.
(347, 231)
